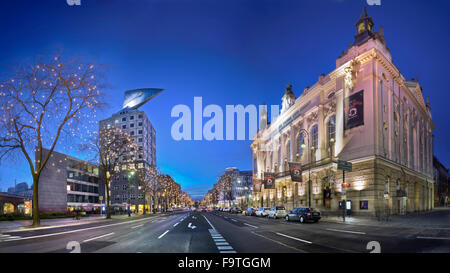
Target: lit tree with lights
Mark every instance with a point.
(43, 101)
(115, 152)
(224, 187)
(147, 183)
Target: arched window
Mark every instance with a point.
(315, 136)
(301, 140)
(412, 140)
(405, 142)
(331, 128)
(289, 150)
(386, 185)
(279, 158)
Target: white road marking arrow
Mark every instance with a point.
(191, 226)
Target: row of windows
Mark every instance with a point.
(132, 118)
(82, 187)
(125, 198)
(124, 126)
(125, 186)
(76, 198)
(82, 166)
(82, 177)
(303, 138)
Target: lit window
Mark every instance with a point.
(315, 136)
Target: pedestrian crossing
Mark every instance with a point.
(7, 237)
(222, 245)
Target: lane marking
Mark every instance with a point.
(228, 251)
(293, 238)
(250, 225)
(233, 220)
(222, 244)
(345, 231)
(98, 237)
(138, 226)
(219, 240)
(433, 238)
(78, 230)
(176, 224)
(209, 223)
(280, 243)
(160, 236)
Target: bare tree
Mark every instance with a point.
(41, 102)
(114, 152)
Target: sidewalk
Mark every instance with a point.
(437, 218)
(7, 226)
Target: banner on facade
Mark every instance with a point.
(354, 110)
(295, 169)
(257, 185)
(269, 180)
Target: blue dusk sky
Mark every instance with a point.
(226, 51)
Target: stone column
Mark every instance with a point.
(339, 145)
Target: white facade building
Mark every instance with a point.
(365, 112)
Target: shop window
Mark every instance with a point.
(8, 208)
(364, 204)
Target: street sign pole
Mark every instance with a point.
(344, 192)
(344, 166)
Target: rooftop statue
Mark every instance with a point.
(136, 98)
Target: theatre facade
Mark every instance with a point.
(364, 112)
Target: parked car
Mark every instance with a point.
(262, 212)
(303, 215)
(236, 210)
(226, 209)
(250, 212)
(276, 212)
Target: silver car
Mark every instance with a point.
(262, 212)
(276, 212)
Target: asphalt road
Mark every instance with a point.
(221, 232)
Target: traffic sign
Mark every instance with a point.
(100, 197)
(344, 165)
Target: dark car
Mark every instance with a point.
(303, 215)
(250, 212)
(235, 210)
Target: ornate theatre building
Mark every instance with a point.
(364, 112)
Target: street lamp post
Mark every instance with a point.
(310, 163)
